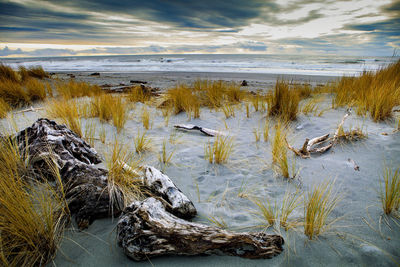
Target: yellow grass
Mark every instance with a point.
(67, 112)
(146, 118)
(90, 131)
(247, 110)
(311, 106)
(142, 142)
(220, 150)
(72, 89)
(124, 170)
(318, 205)
(390, 189)
(279, 150)
(351, 134)
(33, 214)
(182, 99)
(266, 131)
(4, 108)
(13, 93)
(35, 89)
(119, 112)
(210, 93)
(229, 110)
(8, 74)
(255, 101)
(267, 212)
(138, 94)
(164, 156)
(289, 203)
(257, 134)
(218, 221)
(284, 102)
(373, 92)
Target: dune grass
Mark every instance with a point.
(279, 150)
(228, 109)
(182, 99)
(266, 131)
(67, 112)
(13, 93)
(33, 72)
(257, 134)
(247, 106)
(165, 157)
(318, 205)
(142, 142)
(390, 189)
(266, 211)
(35, 89)
(4, 108)
(33, 214)
(374, 92)
(119, 113)
(139, 94)
(8, 74)
(290, 202)
(145, 118)
(311, 106)
(73, 89)
(124, 169)
(352, 134)
(219, 151)
(284, 102)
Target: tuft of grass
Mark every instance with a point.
(390, 189)
(90, 131)
(311, 106)
(266, 131)
(318, 205)
(352, 134)
(361, 92)
(182, 99)
(257, 134)
(279, 150)
(229, 110)
(73, 89)
(36, 72)
(139, 93)
(146, 118)
(119, 113)
(102, 134)
(13, 93)
(124, 174)
(35, 89)
(220, 150)
(247, 110)
(267, 212)
(304, 90)
(218, 221)
(4, 108)
(289, 203)
(255, 101)
(67, 112)
(165, 157)
(32, 230)
(8, 74)
(284, 102)
(142, 142)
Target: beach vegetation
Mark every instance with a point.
(182, 99)
(145, 118)
(90, 131)
(266, 131)
(229, 110)
(218, 221)
(284, 101)
(67, 112)
(8, 74)
(35, 89)
(33, 213)
(290, 202)
(139, 93)
(119, 112)
(4, 108)
(318, 205)
(165, 157)
(247, 105)
(266, 211)
(124, 174)
(73, 89)
(257, 134)
(219, 151)
(390, 189)
(35, 72)
(311, 105)
(142, 142)
(13, 93)
(279, 150)
(362, 91)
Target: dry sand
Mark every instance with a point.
(360, 238)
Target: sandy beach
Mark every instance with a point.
(224, 192)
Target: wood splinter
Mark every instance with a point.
(206, 131)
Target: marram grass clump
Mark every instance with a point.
(390, 189)
(284, 102)
(219, 151)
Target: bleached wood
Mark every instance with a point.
(206, 131)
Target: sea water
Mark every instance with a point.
(324, 65)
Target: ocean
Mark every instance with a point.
(325, 65)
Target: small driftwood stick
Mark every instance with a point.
(163, 186)
(28, 110)
(206, 131)
(355, 166)
(148, 230)
(309, 145)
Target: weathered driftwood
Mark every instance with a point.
(354, 164)
(162, 185)
(206, 131)
(315, 145)
(147, 230)
(31, 109)
(85, 185)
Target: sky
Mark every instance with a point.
(118, 27)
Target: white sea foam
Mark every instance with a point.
(272, 64)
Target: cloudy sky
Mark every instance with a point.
(114, 27)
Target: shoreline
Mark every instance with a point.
(164, 80)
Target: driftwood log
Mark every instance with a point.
(147, 230)
(318, 144)
(86, 185)
(206, 131)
